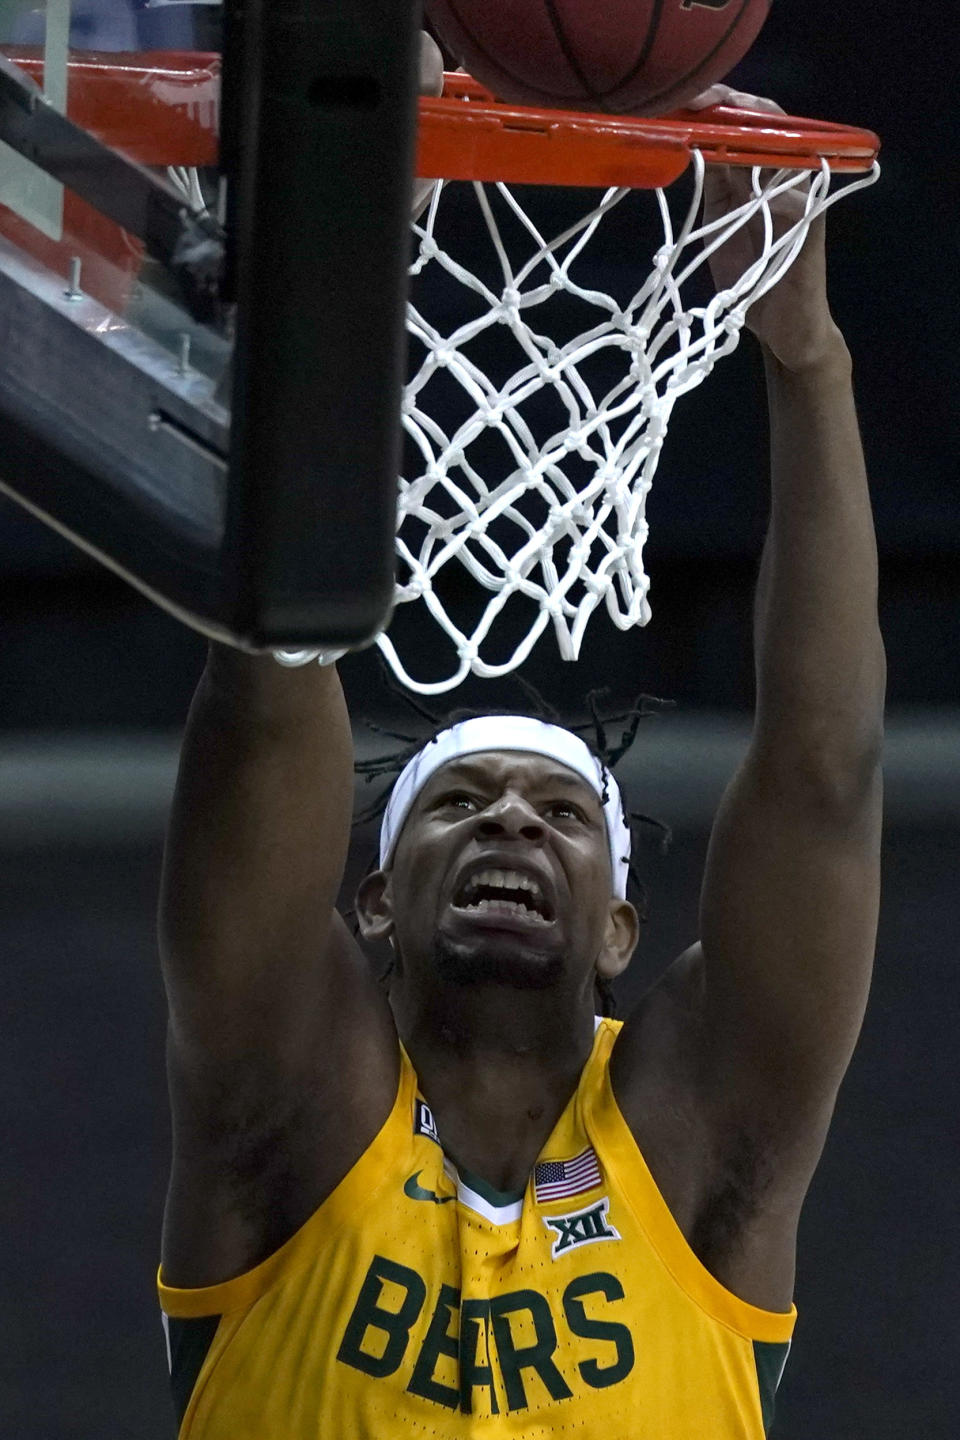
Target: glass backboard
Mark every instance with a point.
(203, 347)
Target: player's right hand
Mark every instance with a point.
(793, 320)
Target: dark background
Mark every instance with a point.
(94, 684)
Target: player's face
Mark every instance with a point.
(502, 874)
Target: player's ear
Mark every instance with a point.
(374, 906)
(620, 939)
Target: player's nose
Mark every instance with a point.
(513, 817)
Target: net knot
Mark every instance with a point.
(612, 476)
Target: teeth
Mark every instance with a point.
(511, 881)
(505, 880)
(514, 907)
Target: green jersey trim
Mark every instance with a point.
(188, 1345)
(771, 1360)
(499, 1199)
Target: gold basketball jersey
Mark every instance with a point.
(417, 1302)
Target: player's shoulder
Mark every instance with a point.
(655, 1074)
(658, 1036)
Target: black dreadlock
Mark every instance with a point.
(608, 752)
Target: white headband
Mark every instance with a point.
(511, 732)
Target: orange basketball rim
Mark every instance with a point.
(162, 108)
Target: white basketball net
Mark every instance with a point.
(536, 490)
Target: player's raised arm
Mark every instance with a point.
(282, 1053)
(790, 898)
(283, 1056)
(752, 1030)
(258, 834)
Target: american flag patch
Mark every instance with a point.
(559, 1179)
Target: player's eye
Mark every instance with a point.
(565, 810)
(458, 800)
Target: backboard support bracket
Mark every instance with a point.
(141, 203)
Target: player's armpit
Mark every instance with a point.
(745, 1040)
(267, 1124)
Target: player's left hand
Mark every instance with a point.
(793, 320)
(431, 65)
(431, 83)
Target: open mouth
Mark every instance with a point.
(506, 893)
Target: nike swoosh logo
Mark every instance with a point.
(414, 1191)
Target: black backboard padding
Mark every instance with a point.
(320, 108)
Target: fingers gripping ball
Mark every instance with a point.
(625, 57)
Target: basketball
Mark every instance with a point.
(625, 57)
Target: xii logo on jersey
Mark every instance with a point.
(584, 1227)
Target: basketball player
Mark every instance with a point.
(464, 1207)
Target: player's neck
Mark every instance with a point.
(497, 1069)
(496, 1025)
